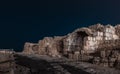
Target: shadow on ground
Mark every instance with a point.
(74, 70)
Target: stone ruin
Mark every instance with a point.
(98, 44)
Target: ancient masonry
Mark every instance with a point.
(82, 41)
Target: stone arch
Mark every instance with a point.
(80, 37)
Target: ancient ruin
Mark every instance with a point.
(87, 50)
(98, 44)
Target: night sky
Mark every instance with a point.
(30, 21)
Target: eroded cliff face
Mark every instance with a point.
(81, 41)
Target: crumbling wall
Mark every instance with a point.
(82, 41)
(117, 28)
(100, 33)
(108, 54)
(51, 46)
(30, 48)
(45, 45)
(69, 43)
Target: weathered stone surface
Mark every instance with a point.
(98, 41)
(30, 48)
(51, 46)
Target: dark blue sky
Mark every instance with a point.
(30, 21)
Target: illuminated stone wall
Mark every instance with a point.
(82, 40)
